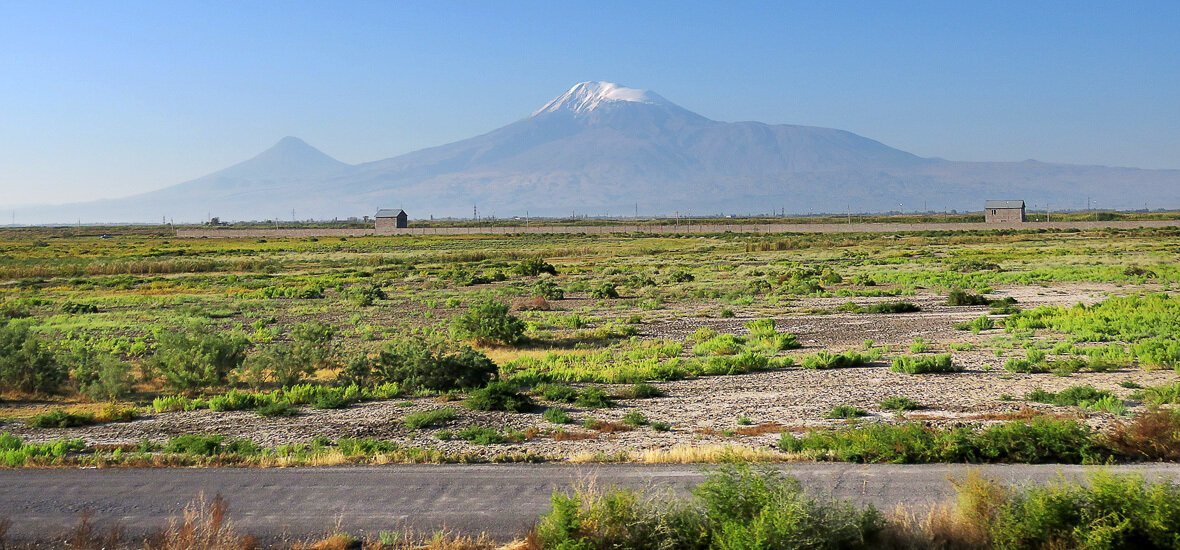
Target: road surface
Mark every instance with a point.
(502, 500)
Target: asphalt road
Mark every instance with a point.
(501, 500)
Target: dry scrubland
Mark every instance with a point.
(145, 349)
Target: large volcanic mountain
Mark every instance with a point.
(601, 149)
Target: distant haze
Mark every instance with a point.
(602, 148)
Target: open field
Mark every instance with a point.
(612, 347)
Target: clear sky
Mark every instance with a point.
(104, 99)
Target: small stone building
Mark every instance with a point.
(1004, 212)
(388, 218)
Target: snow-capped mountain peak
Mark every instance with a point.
(588, 96)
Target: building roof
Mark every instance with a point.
(389, 213)
(1004, 204)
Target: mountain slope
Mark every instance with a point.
(601, 148)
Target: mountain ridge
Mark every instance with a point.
(601, 148)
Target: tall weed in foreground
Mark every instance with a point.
(737, 507)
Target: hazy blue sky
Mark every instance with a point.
(103, 99)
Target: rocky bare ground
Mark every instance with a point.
(706, 411)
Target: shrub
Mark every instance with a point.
(61, 419)
(594, 398)
(846, 412)
(480, 435)
(209, 445)
(828, 360)
(923, 364)
(557, 416)
(366, 296)
(1037, 441)
(235, 400)
(100, 376)
(429, 419)
(489, 322)
(558, 392)
(892, 307)
(534, 303)
(1167, 394)
(548, 290)
(26, 364)
(415, 366)
(899, 403)
(277, 408)
(1075, 396)
(1153, 435)
(114, 413)
(277, 363)
(174, 403)
(920, 345)
(635, 419)
(643, 390)
(1111, 511)
(197, 359)
(499, 396)
(722, 344)
(735, 507)
(960, 297)
(977, 325)
(533, 267)
(604, 291)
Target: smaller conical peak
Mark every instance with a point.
(291, 142)
(585, 97)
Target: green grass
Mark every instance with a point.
(557, 416)
(826, 360)
(925, 364)
(61, 419)
(1038, 441)
(899, 404)
(847, 412)
(429, 419)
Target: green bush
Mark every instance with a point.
(489, 322)
(26, 364)
(643, 390)
(365, 296)
(892, 307)
(277, 408)
(548, 290)
(100, 376)
(826, 360)
(235, 400)
(923, 364)
(899, 403)
(960, 297)
(560, 393)
(846, 412)
(429, 419)
(635, 419)
(197, 359)
(594, 397)
(977, 325)
(210, 445)
(1166, 394)
(533, 267)
(1111, 511)
(414, 366)
(61, 419)
(1086, 397)
(557, 416)
(737, 507)
(1037, 441)
(604, 291)
(499, 396)
(175, 403)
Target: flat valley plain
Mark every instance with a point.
(629, 348)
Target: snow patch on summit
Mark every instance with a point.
(588, 96)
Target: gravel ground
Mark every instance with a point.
(705, 410)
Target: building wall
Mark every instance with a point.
(1003, 215)
(386, 224)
